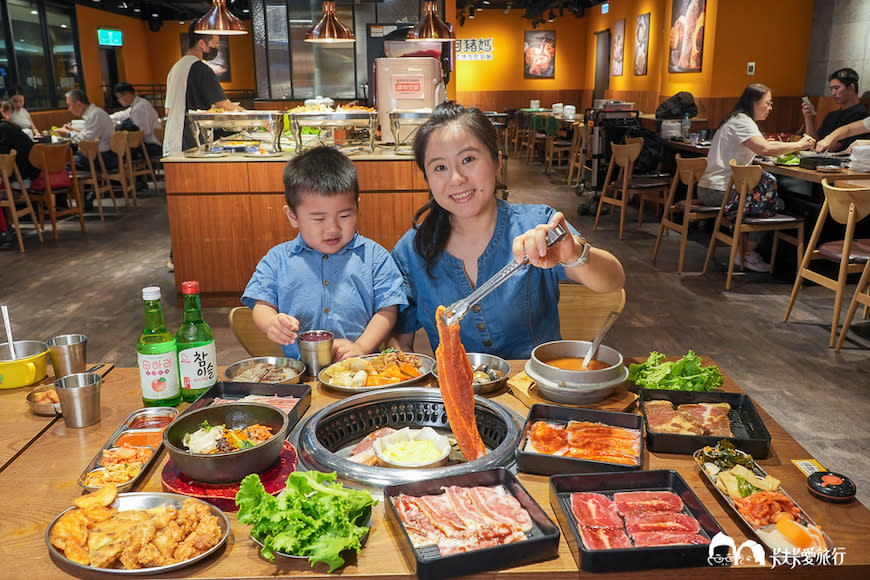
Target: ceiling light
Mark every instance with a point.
(219, 20)
(431, 28)
(330, 30)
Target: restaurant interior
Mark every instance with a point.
(90, 282)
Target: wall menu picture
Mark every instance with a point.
(618, 47)
(641, 44)
(687, 35)
(539, 52)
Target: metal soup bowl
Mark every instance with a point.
(575, 349)
(477, 359)
(235, 465)
(297, 367)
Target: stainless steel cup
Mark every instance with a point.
(79, 396)
(315, 350)
(68, 354)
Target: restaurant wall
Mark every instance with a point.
(499, 84)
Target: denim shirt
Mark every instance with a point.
(518, 316)
(337, 292)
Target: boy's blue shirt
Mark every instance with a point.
(336, 292)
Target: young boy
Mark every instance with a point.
(329, 277)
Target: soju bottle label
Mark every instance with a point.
(198, 366)
(158, 375)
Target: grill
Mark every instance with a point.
(321, 439)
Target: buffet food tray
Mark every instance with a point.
(128, 429)
(204, 123)
(803, 518)
(623, 559)
(533, 462)
(412, 120)
(747, 427)
(362, 121)
(542, 541)
(234, 391)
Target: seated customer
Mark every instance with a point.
(141, 115)
(98, 125)
(844, 90)
(739, 138)
(13, 137)
(21, 117)
(329, 277)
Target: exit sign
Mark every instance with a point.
(106, 37)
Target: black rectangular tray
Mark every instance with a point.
(233, 390)
(531, 462)
(542, 542)
(750, 434)
(624, 559)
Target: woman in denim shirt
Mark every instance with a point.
(467, 235)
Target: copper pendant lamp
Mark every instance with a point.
(219, 20)
(431, 28)
(330, 29)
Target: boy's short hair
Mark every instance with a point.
(847, 76)
(321, 170)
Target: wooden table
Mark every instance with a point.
(41, 482)
(811, 174)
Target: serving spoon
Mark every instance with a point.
(593, 348)
(8, 332)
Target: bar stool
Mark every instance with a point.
(689, 171)
(745, 178)
(847, 206)
(619, 188)
(95, 178)
(53, 160)
(13, 198)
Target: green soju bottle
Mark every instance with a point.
(197, 359)
(158, 366)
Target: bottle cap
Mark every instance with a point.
(151, 293)
(190, 287)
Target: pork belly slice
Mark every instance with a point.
(712, 417)
(595, 510)
(645, 539)
(661, 522)
(600, 442)
(636, 502)
(485, 537)
(497, 504)
(417, 524)
(604, 538)
(364, 451)
(547, 438)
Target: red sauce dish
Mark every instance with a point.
(140, 438)
(150, 421)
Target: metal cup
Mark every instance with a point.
(693, 138)
(315, 350)
(79, 396)
(67, 353)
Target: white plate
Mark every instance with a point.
(426, 364)
(139, 501)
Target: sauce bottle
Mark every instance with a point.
(197, 358)
(158, 365)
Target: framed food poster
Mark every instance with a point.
(220, 64)
(618, 47)
(687, 36)
(539, 52)
(641, 44)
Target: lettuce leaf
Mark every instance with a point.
(315, 516)
(685, 374)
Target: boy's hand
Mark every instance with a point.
(282, 329)
(342, 349)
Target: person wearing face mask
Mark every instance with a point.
(192, 85)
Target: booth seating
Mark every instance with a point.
(846, 206)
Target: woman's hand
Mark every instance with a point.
(533, 244)
(283, 329)
(805, 143)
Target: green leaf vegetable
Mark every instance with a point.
(315, 516)
(686, 374)
(788, 159)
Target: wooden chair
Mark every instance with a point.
(249, 336)
(123, 173)
(582, 312)
(519, 131)
(16, 201)
(745, 178)
(534, 136)
(140, 166)
(689, 171)
(861, 296)
(577, 155)
(846, 206)
(55, 179)
(557, 146)
(620, 184)
(95, 177)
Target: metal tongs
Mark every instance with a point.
(457, 311)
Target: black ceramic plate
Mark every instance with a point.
(542, 541)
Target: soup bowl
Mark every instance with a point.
(575, 386)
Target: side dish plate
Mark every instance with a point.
(141, 501)
(426, 364)
(235, 391)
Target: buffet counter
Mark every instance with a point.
(41, 482)
(225, 213)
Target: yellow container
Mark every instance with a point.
(29, 366)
